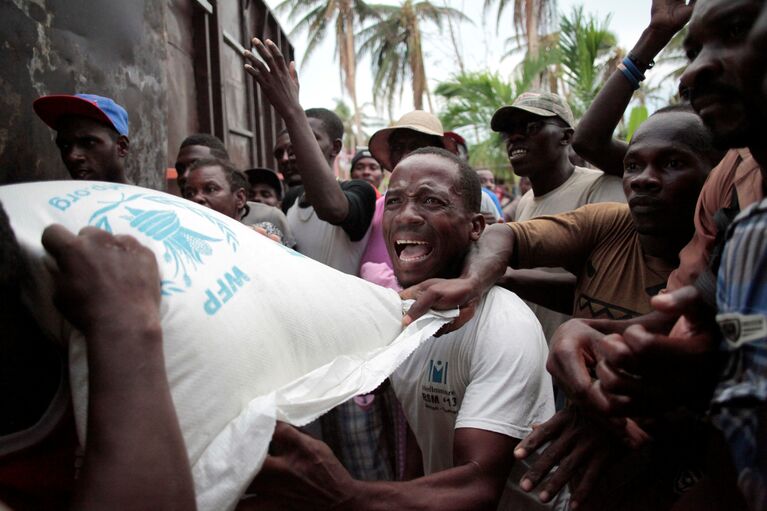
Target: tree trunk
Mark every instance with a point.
(531, 34)
(351, 79)
(531, 27)
(458, 56)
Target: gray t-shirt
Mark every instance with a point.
(258, 213)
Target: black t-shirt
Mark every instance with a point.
(362, 204)
(290, 197)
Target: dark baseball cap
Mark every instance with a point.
(264, 175)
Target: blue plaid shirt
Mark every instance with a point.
(739, 405)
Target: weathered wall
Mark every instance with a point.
(106, 47)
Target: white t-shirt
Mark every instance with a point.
(585, 186)
(325, 242)
(490, 374)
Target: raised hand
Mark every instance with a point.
(278, 80)
(670, 15)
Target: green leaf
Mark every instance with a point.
(637, 116)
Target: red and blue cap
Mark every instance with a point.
(51, 108)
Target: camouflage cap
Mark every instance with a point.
(545, 104)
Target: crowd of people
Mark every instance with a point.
(610, 347)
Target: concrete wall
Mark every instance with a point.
(106, 47)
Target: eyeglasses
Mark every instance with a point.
(527, 128)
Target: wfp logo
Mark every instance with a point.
(437, 372)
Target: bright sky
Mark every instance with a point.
(482, 49)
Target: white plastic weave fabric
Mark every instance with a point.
(252, 331)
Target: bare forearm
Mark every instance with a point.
(490, 256)
(552, 290)
(135, 451)
(593, 139)
(320, 186)
(460, 488)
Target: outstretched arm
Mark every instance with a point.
(303, 474)
(555, 291)
(279, 82)
(109, 288)
(593, 139)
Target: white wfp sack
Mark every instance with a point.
(252, 331)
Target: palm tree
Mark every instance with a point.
(531, 18)
(589, 55)
(319, 17)
(353, 139)
(394, 42)
(675, 55)
(470, 100)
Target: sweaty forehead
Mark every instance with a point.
(77, 125)
(670, 130)
(318, 127)
(424, 169)
(708, 12)
(206, 173)
(193, 152)
(282, 139)
(366, 161)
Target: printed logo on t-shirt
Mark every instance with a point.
(437, 371)
(435, 393)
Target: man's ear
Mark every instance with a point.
(338, 144)
(123, 146)
(241, 198)
(477, 226)
(567, 136)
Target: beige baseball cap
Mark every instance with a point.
(417, 120)
(545, 104)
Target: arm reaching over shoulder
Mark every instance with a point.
(593, 140)
(484, 265)
(279, 82)
(555, 291)
(109, 288)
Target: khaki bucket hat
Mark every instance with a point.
(417, 120)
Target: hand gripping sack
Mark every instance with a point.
(252, 331)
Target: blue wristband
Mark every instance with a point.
(633, 69)
(629, 76)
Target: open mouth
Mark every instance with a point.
(410, 251)
(516, 154)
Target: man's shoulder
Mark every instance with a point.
(291, 197)
(501, 312)
(359, 187)
(601, 187)
(259, 212)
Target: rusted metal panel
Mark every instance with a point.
(167, 62)
(115, 49)
(183, 112)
